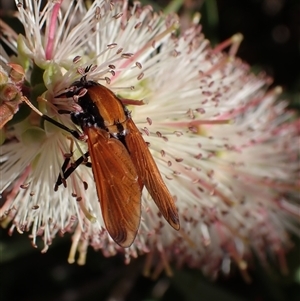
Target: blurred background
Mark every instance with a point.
(271, 30)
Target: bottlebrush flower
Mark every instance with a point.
(228, 151)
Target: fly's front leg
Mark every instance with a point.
(74, 133)
(65, 171)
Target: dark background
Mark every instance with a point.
(271, 30)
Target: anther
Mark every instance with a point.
(85, 185)
(25, 186)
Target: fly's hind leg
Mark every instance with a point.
(69, 167)
(66, 172)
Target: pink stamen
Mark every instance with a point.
(127, 101)
(233, 41)
(52, 30)
(144, 48)
(15, 191)
(289, 207)
(194, 123)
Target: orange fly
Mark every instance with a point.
(121, 161)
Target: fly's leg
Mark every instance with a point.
(74, 133)
(66, 172)
(69, 166)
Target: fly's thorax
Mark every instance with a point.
(111, 110)
(101, 108)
